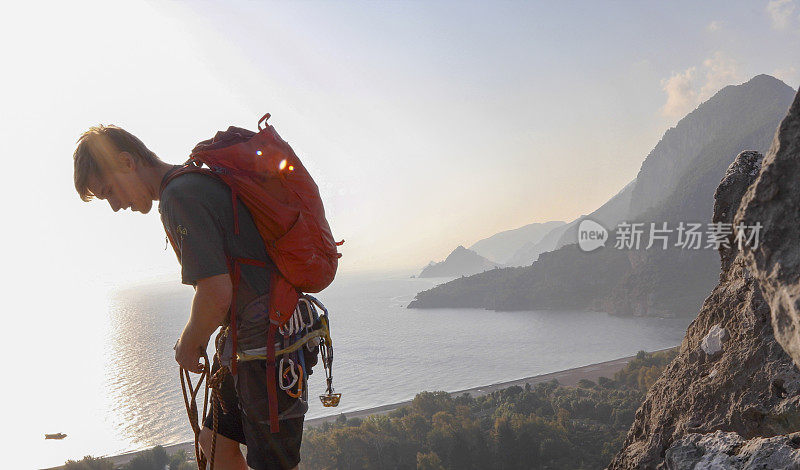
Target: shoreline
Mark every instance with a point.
(567, 377)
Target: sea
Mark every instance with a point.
(119, 389)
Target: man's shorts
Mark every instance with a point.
(265, 450)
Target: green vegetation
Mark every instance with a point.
(89, 463)
(643, 371)
(545, 426)
(153, 459)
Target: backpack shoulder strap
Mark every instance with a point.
(188, 167)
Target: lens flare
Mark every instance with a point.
(258, 152)
(282, 164)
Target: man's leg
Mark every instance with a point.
(227, 455)
(266, 450)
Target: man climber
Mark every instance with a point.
(197, 211)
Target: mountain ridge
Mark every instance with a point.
(502, 245)
(638, 282)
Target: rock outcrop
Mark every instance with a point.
(774, 202)
(727, 450)
(739, 380)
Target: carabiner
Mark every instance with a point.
(285, 373)
(299, 383)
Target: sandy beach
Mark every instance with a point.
(568, 377)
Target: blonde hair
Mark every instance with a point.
(96, 152)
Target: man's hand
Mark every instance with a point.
(209, 308)
(188, 355)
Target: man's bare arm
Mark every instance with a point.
(209, 308)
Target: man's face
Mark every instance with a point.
(122, 187)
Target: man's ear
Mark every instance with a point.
(127, 162)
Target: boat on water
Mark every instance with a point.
(59, 435)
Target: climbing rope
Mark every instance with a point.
(214, 385)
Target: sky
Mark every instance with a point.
(427, 125)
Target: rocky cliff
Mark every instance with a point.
(664, 169)
(731, 398)
(773, 201)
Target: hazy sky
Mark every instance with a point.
(426, 124)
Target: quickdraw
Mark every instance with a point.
(329, 399)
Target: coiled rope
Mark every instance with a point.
(190, 391)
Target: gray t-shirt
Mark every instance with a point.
(197, 212)
(196, 209)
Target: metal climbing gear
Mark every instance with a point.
(285, 371)
(297, 377)
(329, 398)
(315, 330)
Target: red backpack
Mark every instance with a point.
(264, 172)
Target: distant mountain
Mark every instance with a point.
(614, 211)
(529, 252)
(736, 112)
(609, 214)
(690, 160)
(501, 246)
(461, 262)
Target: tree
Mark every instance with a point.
(89, 463)
(178, 461)
(153, 459)
(429, 461)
